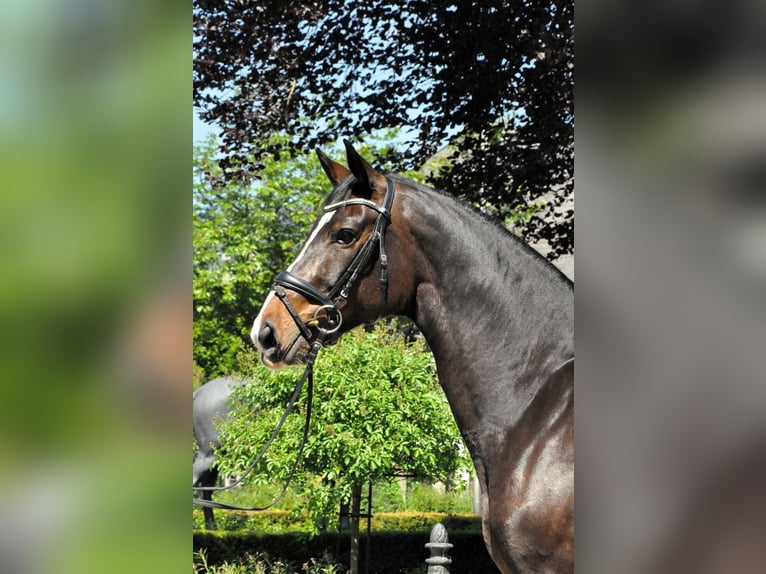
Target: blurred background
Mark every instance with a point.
(670, 172)
(95, 326)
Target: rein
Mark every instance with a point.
(308, 375)
(330, 305)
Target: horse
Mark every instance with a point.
(498, 317)
(210, 404)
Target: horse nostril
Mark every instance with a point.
(267, 337)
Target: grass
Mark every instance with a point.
(387, 498)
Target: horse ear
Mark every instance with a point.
(368, 179)
(335, 171)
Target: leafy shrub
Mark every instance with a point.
(378, 408)
(284, 521)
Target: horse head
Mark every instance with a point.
(339, 279)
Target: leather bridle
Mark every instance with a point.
(330, 305)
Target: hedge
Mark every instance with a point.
(390, 552)
(284, 521)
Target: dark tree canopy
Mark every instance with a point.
(490, 80)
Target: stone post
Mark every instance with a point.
(439, 562)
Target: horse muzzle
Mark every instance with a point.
(267, 342)
(283, 341)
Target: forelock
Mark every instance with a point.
(341, 192)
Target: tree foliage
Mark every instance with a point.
(378, 409)
(243, 234)
(492, 80)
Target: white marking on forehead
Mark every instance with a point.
(322, 222)
(257, 323)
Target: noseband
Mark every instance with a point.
(331, 303)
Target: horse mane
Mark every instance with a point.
(343, 191)
(493, 223)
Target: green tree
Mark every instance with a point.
(243, 234)
(493, 80)
(378, 410)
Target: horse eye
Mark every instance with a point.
(344, 236)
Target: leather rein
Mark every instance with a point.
(316, 335)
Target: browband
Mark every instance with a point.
(358, 201)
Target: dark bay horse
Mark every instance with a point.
(498, 317)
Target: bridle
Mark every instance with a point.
(330, 305)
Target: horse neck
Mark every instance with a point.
(497, 316)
